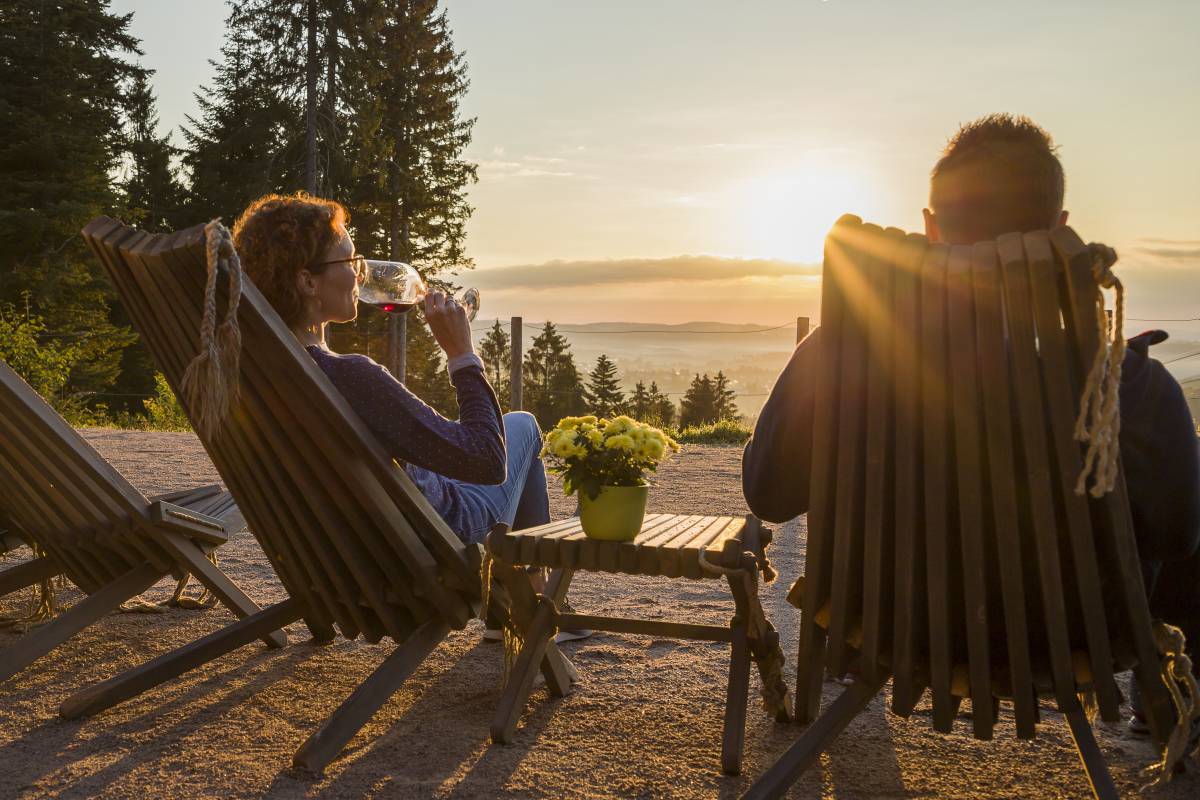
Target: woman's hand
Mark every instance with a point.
(448, 323)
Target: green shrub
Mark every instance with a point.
(163, 412)
(727, 431)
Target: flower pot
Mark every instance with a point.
(616, 514)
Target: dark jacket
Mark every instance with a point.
(1158, 450)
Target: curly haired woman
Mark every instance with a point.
(477, 471)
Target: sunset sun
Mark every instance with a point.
(786, 213)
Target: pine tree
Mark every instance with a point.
(662, 410)
(723, 398)
(552, 387)
(243, 143)
(153, 196)
(698, 406)
(63, 82)
(407, 136)
(603, 391)
(496, 353)
(639, 403)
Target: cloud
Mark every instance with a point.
(1171, 252)
(688, 269)
(497, 169)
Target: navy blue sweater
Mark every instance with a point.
(434, 451)
(1158, 451)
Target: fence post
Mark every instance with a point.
(515, 374)
(397, 330)
(801, 329)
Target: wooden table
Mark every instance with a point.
(671, 545)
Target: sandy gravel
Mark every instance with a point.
(644, 722)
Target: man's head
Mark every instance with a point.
(998, 174)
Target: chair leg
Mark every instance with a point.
(337, 731)
(27, 574)
(217, 581)
(39, 642)
(808, 748)
(131, 683)
(736, 697)
(1089, 753)
(538, 645)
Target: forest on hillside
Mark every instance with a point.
(357, 100)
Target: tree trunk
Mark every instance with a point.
(333, 136)
(310, 103)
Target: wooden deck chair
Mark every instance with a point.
(947, 548)
(96, 528)
(354, 542)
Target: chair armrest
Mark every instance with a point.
(190, 523)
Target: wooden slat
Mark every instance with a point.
(714, 536)
(970, 463)
(1054, 608)
(878, 558)
(850, 273)
(936, 479)
(910, 614)
(819, 543)
(998, 415)
(630, 555)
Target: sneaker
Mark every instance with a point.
(1137, 718)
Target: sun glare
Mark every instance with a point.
(786, 213)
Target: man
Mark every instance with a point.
(997, 175)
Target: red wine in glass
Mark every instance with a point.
(395, 287)
(389, 307)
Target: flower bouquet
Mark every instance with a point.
(606, 462)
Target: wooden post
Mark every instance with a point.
(801, 329)
(397, 357)
(515, 375)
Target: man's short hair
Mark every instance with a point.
(998, 174)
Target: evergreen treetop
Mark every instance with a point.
(603, 391)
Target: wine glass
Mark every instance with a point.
(395, 287)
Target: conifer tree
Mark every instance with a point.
(723, 398)
(698, 406)
(63, 82)
(408, 137)
(496, 353)
(662, 410)
(153, 197)
(603, 391)
(639, 402)
(552, 387)
(426, 373)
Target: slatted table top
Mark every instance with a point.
(668, 544)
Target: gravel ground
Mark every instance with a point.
(644, 722)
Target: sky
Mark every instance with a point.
(681, 160)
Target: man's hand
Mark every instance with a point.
(448, 322)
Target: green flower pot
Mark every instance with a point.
(616, 514)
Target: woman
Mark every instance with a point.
(480, 470)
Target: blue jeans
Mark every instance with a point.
(521, 501)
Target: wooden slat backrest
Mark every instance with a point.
(62, 494)
(945, 392)
(343, 526)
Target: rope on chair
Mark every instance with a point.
(210, 383)
(1099, 421)
(1176, 669)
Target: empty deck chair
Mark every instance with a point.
(94, 527)
(354, 542)
(947, 547)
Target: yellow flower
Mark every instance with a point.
(654, 449)
(621, 441)
(572, 423)
(595, 436)
(565, 445)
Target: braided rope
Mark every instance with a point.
(178, 598)
(1176, 670)
(1099, 421)
(210, 383)
(43, 604)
